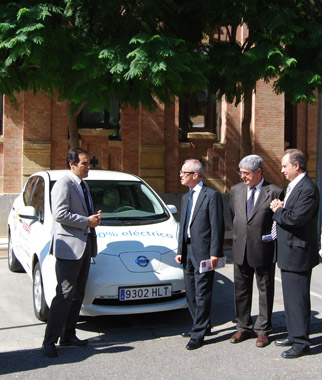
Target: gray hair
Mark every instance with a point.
(197, 166)
(252, 162)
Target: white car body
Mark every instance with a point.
(136, 255)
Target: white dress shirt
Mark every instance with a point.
(195, 196)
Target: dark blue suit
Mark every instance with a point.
(297, 254)
(207, 238)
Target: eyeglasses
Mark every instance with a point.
(245, 173)
(183, 173)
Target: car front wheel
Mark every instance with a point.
(40, 307)
(13, 263)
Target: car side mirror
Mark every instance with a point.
(28, 212)
(172, 209)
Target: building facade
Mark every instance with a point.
(154, 145)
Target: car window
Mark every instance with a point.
(28, 189)
(37, 198)
(34, 195)
(126, 202)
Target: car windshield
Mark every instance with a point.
(126, 203)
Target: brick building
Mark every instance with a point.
(154, 145)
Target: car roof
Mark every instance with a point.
(92, 175)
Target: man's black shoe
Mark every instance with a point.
(188, 334)
(194, 344)
(283, 342)
(73, 342)
(295, 352)
(49, 350)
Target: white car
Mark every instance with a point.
(134, 271)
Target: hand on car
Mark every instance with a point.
(178, 259)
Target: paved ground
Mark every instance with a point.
(149, 347)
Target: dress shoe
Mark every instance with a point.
(262, 340)
(239, 336)
(283, 342)
(194, 344)
(188, 333)
(49, 349)
(74, 341)
(295, 352)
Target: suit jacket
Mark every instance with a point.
(297, 235)
(206, 227)
(70, 230)
(247, 235)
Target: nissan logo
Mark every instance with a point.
(142, 261)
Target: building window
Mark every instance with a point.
(290, 124)
(197, 113)
(1, 115)
(101, 119)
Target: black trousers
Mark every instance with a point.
(243, 287)
(198, 292)
(65, 307)
(297, 304)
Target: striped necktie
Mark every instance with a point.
(274, 231)
(288, 189)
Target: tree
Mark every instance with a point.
(282, 46)
(138, 51)
(94, 51)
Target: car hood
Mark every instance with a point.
(140, 248)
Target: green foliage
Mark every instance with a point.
(139, 51)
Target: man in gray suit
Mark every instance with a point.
(201, 237)
(252, 219)
(74, 243)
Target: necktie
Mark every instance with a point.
(274, 231)
(86, 196)
(250, 202)
(188, 214)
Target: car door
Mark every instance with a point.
(32, 231)
(21, 234)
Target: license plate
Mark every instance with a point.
(148, 292)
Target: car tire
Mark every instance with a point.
(40, 306)
(13, 263)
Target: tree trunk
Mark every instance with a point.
(72, 126)
(247, 147)
(73, 132)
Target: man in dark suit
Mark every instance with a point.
(201, 237)
(297, 250)
(74, 243)
(252, 219)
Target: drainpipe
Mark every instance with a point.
(319, 158)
